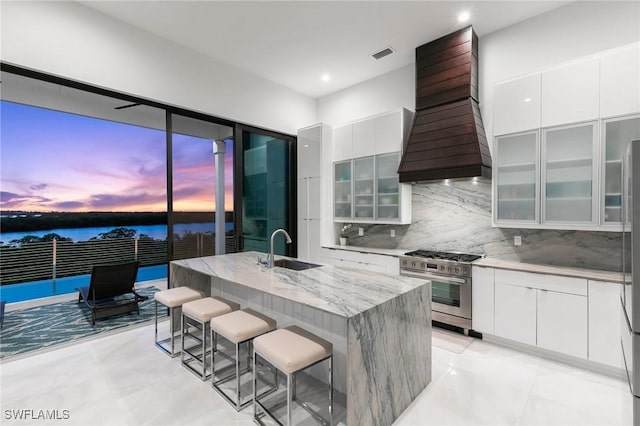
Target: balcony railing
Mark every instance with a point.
(57, 259)
(50, 261)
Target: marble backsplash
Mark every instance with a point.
(457, 217)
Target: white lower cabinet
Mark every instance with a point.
(541, 310)
(562, 322)
(604, 323)
(360, 260)
(515, 313)
(482, 300)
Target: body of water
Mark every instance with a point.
(46, 288)
(157, 232)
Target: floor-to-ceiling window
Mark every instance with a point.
(193, 200)
(89, 176)
(82, 182)
(266, 174)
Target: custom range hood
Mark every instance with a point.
(447, 140)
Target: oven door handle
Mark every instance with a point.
(451, 280)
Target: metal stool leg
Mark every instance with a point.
(289, 398)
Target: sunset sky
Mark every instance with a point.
(54, 161)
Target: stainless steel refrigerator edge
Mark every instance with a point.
(630, 296)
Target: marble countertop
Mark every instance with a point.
(342, 291)
(590, 274)
(386, 252)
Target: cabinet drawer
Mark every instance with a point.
(556, 283)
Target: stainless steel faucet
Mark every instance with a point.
(270, 259)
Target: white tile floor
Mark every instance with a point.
(123, 379)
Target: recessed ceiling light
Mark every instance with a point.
(306, 145)
(527, 99)
(464, 16)
(325, 77)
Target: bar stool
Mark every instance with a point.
(291, 350)
(198, 313)
(173, 299)
(239, 327)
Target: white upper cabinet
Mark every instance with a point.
(571, 93)
(516, 105)
(309, 152)
(379, 134)
(388, 133)
(364, 134)
(343, 143)
(620, 82)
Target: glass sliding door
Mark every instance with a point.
(264, 163)
(193, 183)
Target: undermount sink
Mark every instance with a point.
(296, 265)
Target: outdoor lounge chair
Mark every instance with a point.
(111, 290)
(2, 304)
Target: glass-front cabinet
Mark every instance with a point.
(388, 186)
(616, 134)
(342, 190)
(569, 174)
(517, 178)
(378, 195)
(549, 178)
(364, 187)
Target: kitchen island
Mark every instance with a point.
(379, 324)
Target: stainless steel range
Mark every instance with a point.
(450, 275)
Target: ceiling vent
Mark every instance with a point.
(381, 54)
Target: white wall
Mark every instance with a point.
(388, 92)
(75, 42)
(570, 32)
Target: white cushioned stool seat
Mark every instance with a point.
(239, 328)
(196, 315)
(292, 348)
(208, 307)
(241, 325)
(177, 296)
(172, 298)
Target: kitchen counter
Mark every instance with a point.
(379, 324)
(386, 252)
(590, 274)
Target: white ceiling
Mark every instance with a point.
(294, 42)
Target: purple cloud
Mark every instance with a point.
(116, 201)
(39, 187)
(9, 200)
(68, 205)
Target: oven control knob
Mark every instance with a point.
(423, 265)
(413, 264)
(442, 268)
(465, 271)
(448, 268)
(404, 263)
(457, 270)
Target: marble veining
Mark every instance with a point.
(395, 337)
(341, 291)
(379, 324)
(457, 217)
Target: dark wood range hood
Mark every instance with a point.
(447, 140)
